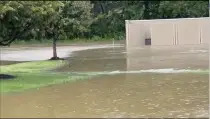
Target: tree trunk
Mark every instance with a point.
(55, 57)
(54, 48)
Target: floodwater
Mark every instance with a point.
(159, 57)
(142, 82)
(43, 53)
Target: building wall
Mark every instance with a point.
(182, 31)
(136, 33)
(163, 33)
(205, 31)
(188, 31)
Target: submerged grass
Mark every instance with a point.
(34, 75)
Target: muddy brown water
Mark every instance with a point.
(159, 57)
(139, 94)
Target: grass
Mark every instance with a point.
(31, 75)
(31, 67)
(48, 42)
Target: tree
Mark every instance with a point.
(73, 19)
(183, 9)
(15, 21)
(77, 18)
(23, 20)
(18, 19)
(51, 22)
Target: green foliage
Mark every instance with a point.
(183, 9)
(77, 18)
(112, 21)
(25, 20)
(44, 19)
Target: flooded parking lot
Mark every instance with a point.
(163, 81)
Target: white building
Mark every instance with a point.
(181, 31)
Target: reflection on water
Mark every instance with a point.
(145, 94)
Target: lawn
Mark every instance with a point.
(34, 75)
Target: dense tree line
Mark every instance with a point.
(111, 15)
(58, 20)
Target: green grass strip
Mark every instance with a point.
(34, 75)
